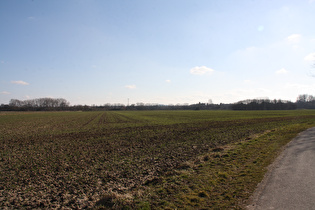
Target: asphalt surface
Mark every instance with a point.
(290, 181)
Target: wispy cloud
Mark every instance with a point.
(281, 71)
(294, 38)
(131, 86)
(200, 70)
(19, 82)
(310, 57)
(260, 28)
(248, 82)
(5, 93)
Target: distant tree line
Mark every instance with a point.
(264, 104)
(40, 104)
(305, 102)
(59, 104)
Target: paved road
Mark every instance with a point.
(290, 183)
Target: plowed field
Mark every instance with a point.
(114, 159)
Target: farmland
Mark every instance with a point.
(139, 159)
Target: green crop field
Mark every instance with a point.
(140, 159)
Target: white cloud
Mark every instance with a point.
(251, 49)
(248, 82)
(200, 70)
(19, 82)
(5, 93)
(282, 71)
(131, 86)
(294, 38)
(168, 81)
(310, 57)
(260, 28)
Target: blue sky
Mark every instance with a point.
(162, 51)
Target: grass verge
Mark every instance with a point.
(225, 178)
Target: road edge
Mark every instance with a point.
(252, 201)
